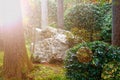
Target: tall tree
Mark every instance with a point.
(44, 14)
(60, 13)
(1, 39)
(116, 23)
(16, 63)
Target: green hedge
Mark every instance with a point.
(102, 64)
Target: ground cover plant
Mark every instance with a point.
(40, 71)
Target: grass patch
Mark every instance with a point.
(48, 72)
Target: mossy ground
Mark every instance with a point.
(41, 71)
(48, 72)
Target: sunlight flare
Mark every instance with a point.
(10, 12)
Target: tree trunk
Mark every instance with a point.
(44, 14)
(60, 14)
(1, 38)
(116, 23)
(16, 64)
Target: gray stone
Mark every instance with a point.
(51, 43)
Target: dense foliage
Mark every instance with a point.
(100, 12)
(93, 61)
(92, 18)
(78, 36)
(106, 29)
(79, 16)
(86, 15)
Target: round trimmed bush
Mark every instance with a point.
(102, 62)
(80, 16)
(86, 15)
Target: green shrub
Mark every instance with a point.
(106, 29)
(91, 17)
(104, 21)
(102, 64)
(86, 15)
(77, 36)
(79, 16)
(100, 12)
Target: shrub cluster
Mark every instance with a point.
(86, 15)
(106, 29)
(94, 18)
(78, 36)
(93, 61)
(80, 16)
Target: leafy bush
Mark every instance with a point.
(77, 36)
(80, 35)
(106, 29)
(104, 21)
(93, 61)
(86, 15)
(79, 16)
(100, 12)
(90, 17)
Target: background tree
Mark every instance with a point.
(44, 14)
(60, 13)
(16, 64)
(116, 23)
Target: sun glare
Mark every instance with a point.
(10, 12)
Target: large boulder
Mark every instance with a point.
(51, 45)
